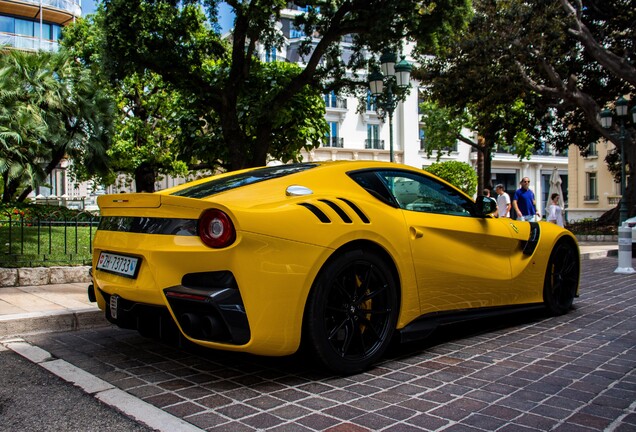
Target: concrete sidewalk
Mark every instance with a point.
(65, 306)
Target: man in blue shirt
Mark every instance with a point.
(524, 202)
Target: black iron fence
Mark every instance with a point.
(46, 241)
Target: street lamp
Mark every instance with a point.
(606, 122)
(389, 87)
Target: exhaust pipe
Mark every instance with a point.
(205, 327)
(211, 327)
(190, 323)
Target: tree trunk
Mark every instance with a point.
(56, 157)
(145, 175)
(10, 188)
(481, 184)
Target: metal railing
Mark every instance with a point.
(28, 43)
(376, 144)
(72, 6)
(57, 240)
(334, 142)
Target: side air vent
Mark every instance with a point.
(356, 209)
(337, 207)
(317, 212)
(533, 239)
(345, 218)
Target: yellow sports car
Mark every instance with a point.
(342, 256)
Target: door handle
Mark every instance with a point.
(416, 233)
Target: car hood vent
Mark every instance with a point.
(323, 207)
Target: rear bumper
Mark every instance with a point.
(249, 297)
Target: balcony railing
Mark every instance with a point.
(334, 142)
(375, 144)
(28, 43)
(590, 198)
(540, 152)
(613, 200)
(337, 102)
(67, 5)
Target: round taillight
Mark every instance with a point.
(216, 229)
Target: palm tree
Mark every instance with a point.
(70, 117)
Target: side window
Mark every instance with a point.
(413, 192)
(423, 194)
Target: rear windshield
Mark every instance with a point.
(215, 186)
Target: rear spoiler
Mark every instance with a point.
(129, 200)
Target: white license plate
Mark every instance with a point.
(119, 264)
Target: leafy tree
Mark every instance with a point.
(584, 62)
(459, 174)
(243, 114)
(52, 110)
(470, 86)
(577, 57)
(148, 113)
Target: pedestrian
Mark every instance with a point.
(524, 202)
(486, 192)
(555, 212)
(503, 202)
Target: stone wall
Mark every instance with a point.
(31, 276)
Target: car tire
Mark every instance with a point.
(352, 311)
(561, 278)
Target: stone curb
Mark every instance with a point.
(45, 322)
(34, 276)
(606, 238)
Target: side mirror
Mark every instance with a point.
(485, 206)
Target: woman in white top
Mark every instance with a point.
(555, 212)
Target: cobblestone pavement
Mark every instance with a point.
(571, 373)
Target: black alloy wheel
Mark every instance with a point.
(352, 311)
(562, 278)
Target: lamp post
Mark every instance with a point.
(389, 87)
(606, 122)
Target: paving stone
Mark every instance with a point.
(575, 372)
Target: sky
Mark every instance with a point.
(88, 7)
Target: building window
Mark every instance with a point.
(332, 140)
(371, 104)
(296, 32)
(592, 187)
(373, 140)
(7, 24)
(331, 100)
(270, 54)
(592, 151)
(23, 27)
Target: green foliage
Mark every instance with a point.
(245, 111)
(539, 73)
(148, 112)
(459, 174)
(442, 128)
(40, 211)
(51, 109)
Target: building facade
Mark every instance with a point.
(35, 24)
(593, 190)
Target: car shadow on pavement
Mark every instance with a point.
(462, 331)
